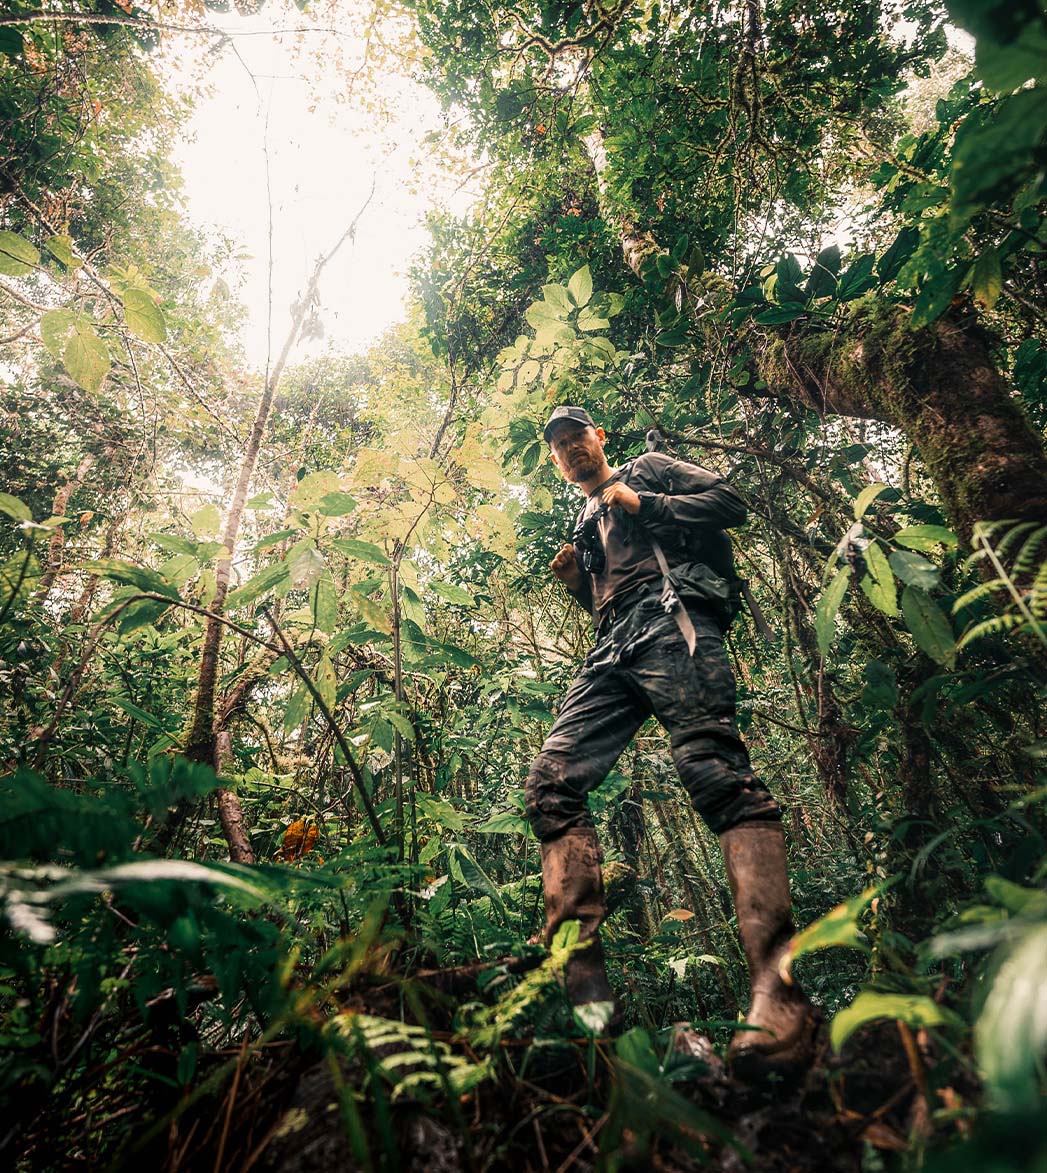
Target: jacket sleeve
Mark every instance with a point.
(683, 494)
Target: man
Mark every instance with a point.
(652, 565)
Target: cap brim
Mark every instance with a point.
(552, 425)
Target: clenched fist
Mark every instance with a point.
(619, 494)
(565, 567)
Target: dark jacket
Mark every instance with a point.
(686, 509)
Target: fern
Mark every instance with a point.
(1012, 535)
(393, 1046)
(976, 594)
(1025, 560)
(997, 625)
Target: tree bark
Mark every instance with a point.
(56, 546)
(230, 813)
(940, 387)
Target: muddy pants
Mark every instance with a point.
(640, 666)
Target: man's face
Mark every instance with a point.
(577, 450)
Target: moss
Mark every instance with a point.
(936, 384)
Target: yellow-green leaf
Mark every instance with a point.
(926, 537)
(17, 255)
(866, 497)
(86, 356)
(878, 584)
(61, 247)
(326, 683)
(987, 279)
(143, 316)
(912, 1009)
(54, 330)
(376, 616)
(837, 928)
(580, 287)
(205, 521)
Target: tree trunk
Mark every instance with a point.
(230, 813)
(940, 387)
(56, 546)
(201, 742)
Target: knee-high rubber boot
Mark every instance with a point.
(754, 854)
(574, 891)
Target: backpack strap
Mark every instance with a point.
(670, 600)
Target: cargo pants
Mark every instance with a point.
(641, 666)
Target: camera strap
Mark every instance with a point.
(670, 600)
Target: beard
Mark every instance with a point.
(582, 467)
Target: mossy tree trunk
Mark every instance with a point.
(938, 385)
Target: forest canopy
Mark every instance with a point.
(279, 637)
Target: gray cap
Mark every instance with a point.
(565, 415)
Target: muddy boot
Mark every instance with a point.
(754, 854)
(574, 891)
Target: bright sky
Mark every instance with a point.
(322, 157)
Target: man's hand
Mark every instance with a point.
(565, 567)
(619, 494)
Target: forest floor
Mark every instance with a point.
(651, 1100)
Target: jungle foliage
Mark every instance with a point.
(267, 888)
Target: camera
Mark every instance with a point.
(587, 542)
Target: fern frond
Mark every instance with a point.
(1012, 535)
(984, 530)
(975, 594)
(997, 625)
(1026, 557)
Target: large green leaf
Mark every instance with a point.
(256, 586)
(324, 601)
(140, 613)
(929, 626)
(11, 44)
(858, 279)
(325, 681)
(878, 584)
(365, 551)
(912, 1009)
(452, 593)
(889, 265)
(915, 570)
(336, 504)
(143, 316)
(61, 247)
(580, 286)
(828, 605)
(440, 811)
(86, 356)
(55, 326)
(14, 508)
(464, 868)
(822, 281)
(17, 255)
(137, 576)
(297, 708)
